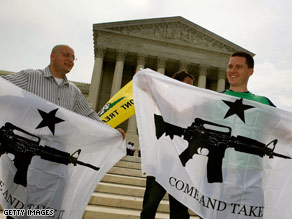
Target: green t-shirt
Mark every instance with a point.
(239, 163)
(249, 96)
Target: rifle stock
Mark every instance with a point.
(167, 128)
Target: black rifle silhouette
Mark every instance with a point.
(12, 141)
(216, 140)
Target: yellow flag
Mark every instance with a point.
(119, 108)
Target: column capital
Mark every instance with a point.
(183, 66)
(141, 59)
(99, 52)
(221, 73)
(203, 70)
(121, 55)
(161, 62)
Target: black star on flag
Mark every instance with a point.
(49, 120)
(237, 108)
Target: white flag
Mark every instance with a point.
(221, 156)
(38, 168)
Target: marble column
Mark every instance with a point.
(221, 79)
(141, 59)
(202, 76)
(94, 88)
(161, 65)
(118, 74)
(132, 124)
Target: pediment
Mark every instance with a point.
(173, 30)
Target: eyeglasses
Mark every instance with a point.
(68, 55)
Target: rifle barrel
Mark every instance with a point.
(281, 155)
(87, 165)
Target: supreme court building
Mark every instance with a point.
(166, 45)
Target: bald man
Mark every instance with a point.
(51, 83)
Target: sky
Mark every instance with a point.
(29, 29)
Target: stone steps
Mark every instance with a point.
(124, 180)
(125, 172)
(102, 212)
(120, 194)
(120, 189)
(123, 201)
(129, 164)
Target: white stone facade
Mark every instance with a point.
(166, 45)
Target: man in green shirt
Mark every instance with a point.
(239, 69)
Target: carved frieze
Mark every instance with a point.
(136, 44)
(174, 32)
